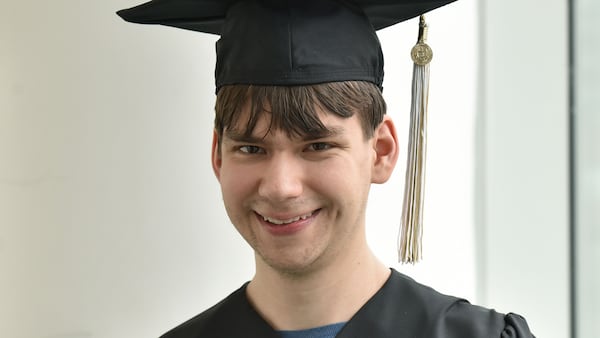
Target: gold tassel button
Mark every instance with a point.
(421, 54)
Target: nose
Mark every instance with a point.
(282, 179)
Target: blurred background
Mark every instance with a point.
(112, 224)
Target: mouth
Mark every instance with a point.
(285, 226)
(276, 221)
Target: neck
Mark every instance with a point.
(331, 294)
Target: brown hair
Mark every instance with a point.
(292, 109)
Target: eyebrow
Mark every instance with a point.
(312, 135)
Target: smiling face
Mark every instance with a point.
(297, 201)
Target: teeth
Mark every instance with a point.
(287, 221)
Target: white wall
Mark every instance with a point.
(523, 162)
(111, 223)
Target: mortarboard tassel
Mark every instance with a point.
(411, 231)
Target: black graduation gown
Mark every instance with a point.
(402, 308)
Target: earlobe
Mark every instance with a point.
(386, 151)
(216, 155)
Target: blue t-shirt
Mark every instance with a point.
(327, 331)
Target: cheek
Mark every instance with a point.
(235, 183)
(343, 177)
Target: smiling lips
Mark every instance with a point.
(287, 226)
(286, 221)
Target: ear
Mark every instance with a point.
(385, 144)
(216, 155)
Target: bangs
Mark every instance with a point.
(295, 109)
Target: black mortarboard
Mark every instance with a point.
(301, 42)
(288, 42)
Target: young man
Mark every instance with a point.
(300, 135)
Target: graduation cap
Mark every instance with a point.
(303, 42)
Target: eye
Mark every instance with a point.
(319, 146)
(251, 150)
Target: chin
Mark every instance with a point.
(293, 266)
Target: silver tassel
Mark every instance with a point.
(411, 231)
